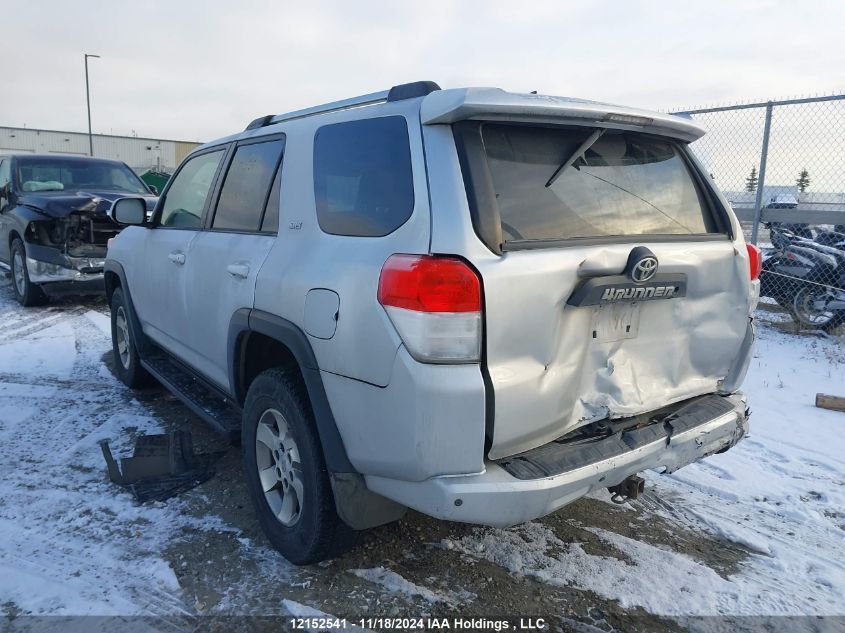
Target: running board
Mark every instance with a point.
(214, 408)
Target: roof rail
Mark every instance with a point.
(396, 93)
(259, 122)
(344, 104)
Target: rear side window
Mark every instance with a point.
(270, 224)
(363, 181)
(624, 184)
(248, 180)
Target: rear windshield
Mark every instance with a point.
(548, 187)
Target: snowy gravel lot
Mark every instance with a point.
(759, 530)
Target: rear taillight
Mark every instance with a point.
(755, 261)
(435, 305)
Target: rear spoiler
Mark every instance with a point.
(450, 106)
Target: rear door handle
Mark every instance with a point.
(177, 258)
(238, 270)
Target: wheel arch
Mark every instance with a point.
(114, 277)
(14, 234)
(258, 340)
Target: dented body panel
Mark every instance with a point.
(551, 370)
(497, 498)
(569, 339)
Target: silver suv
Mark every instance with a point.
(477, 304)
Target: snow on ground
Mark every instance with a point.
(72, 543)
(393, 582)
(299, 610)
(781, 492)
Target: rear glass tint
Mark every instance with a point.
(623, 184)
(270, 224)
(245, 188)
(363, 181)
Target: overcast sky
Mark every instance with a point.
(200, 70)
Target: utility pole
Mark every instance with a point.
(88, 100)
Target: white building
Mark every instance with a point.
(141, 154)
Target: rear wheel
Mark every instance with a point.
(27, 293)
(127, 362)
(285, 471)
(807, 309)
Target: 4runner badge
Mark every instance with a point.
(640, 281)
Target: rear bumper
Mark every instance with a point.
(498, 499)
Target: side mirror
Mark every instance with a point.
(153, 189)
(129, 211)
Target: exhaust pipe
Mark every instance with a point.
(630, 488)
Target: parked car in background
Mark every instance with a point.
(783, 201)
(477, 304)
(54, 221)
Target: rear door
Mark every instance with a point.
(576, 328)
(226, 256)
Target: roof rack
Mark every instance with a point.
(396, 93)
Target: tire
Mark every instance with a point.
(279, 438)
(27, 293)
(801, 308)
(127, 362)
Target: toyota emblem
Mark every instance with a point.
(644, 269)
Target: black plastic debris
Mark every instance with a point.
(162, 466)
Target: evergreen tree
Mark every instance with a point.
(803, 180)
(751, 181)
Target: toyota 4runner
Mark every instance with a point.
(477, 304)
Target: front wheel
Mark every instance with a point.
(127, 362)
(285, 471)
(807, 309)
(27, 293)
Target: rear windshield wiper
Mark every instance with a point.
(582, 149)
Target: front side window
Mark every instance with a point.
(623, 184)
(363, 182)
(185, 198)
(245, 188)
(60, 174)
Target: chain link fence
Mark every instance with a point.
(781, 164)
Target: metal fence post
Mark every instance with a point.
(761, 178)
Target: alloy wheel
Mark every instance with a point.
(20, 273)
(279, 467)
(122, 337)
